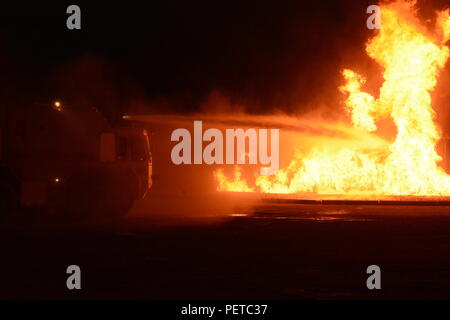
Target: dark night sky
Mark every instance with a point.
(169, 56)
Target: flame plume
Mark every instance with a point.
(411, 58)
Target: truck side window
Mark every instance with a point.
(121, 147)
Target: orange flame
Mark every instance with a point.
(411, 58)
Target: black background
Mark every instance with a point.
(172, 56)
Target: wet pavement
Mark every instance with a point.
(275, 251)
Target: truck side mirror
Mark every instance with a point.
(107, 147)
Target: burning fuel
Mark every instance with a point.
(411, 57)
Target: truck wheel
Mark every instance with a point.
(8, 201)
(118, 199)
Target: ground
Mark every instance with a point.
(280, 251)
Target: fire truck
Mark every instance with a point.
(70, 162)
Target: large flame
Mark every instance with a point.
(411, 58)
